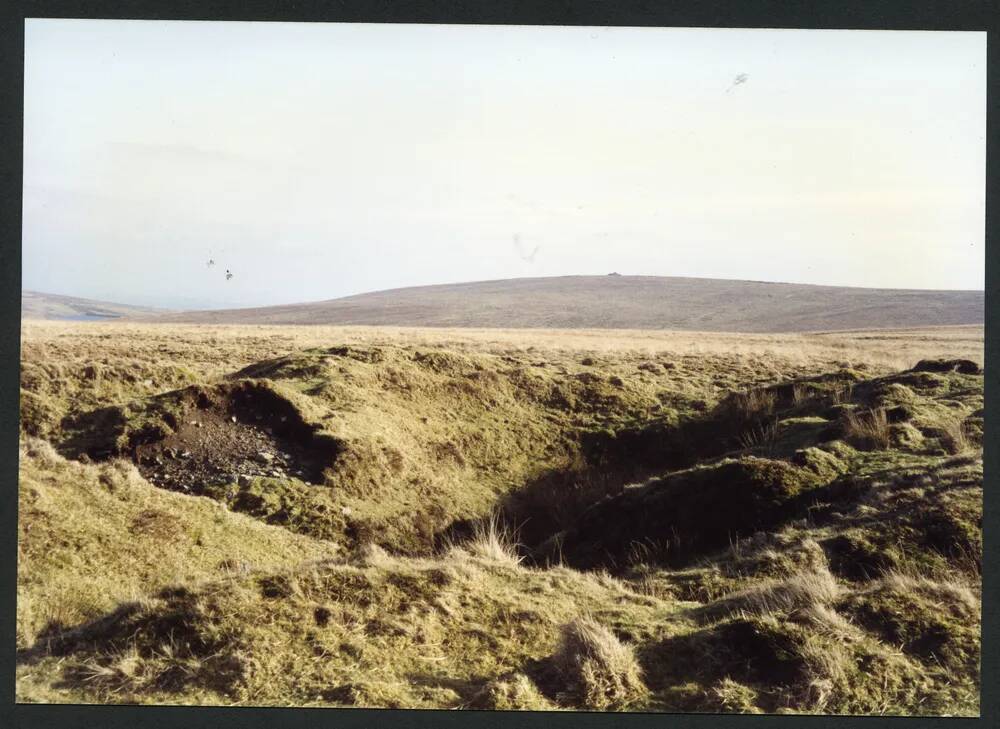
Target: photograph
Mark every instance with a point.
(506, 368)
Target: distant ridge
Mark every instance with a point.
(37, 305)
(623, 302)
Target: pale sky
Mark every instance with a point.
(322, 160)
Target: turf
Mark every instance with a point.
(482, 520)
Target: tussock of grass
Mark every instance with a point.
(515, 692)
(754, 404)
(733, 697)
(599, 671)
(370, 554)
(870, 428)
(801, 591)
(494, 541)
(954, 437)
(761, 436)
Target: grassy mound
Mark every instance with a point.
(396, 632)
(664, 520)
(938, 622)
(92, 536)
(462, 631)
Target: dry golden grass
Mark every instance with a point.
(193, 603)
(870, 427)
(598, 670)
(893, 348)
(493, 540)
(801, 591)
(955, 439)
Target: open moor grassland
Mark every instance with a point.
(501, 519)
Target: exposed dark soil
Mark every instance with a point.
(230, 435)
(663, 521)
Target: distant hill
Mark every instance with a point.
(36, 305)
(623, 302)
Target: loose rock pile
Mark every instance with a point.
(214, 448)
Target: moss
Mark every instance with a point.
(826, 465)
(952, 525)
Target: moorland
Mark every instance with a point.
(501, 519)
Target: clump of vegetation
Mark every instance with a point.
(954, 438)
(801, 591)
(599, 671)
(515, 692)
(494, 541)
(733, 697)
(869, 429)
(753, 404)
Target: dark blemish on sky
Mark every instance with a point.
(529, 257)
(741, 78)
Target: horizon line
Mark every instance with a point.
(114, 300)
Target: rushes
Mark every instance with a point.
(841, 393)
(761, 436)
(754, 404)
(871, 427)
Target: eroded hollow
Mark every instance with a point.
(228, 434)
